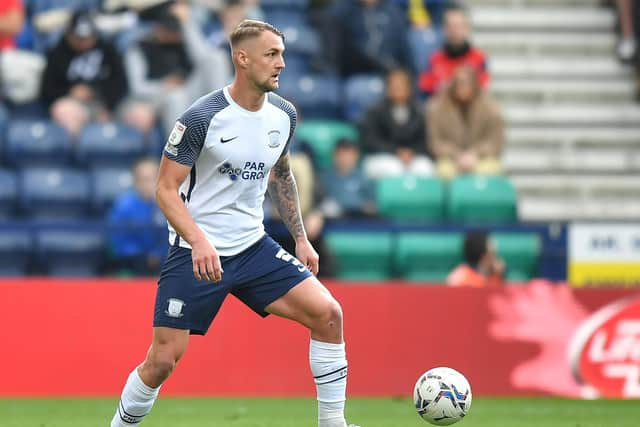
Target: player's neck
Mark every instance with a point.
(247, 97)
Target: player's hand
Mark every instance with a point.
(206, 262)
(307, 255)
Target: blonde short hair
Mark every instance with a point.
(250, 28)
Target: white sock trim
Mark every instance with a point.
(135, 403)
(137, 382)
(329, 368)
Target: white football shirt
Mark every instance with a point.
(231, 151)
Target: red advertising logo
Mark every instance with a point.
(605, 350)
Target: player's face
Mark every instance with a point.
(266, 61)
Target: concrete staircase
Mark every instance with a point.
(573, 127)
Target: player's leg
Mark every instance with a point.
(142, 387)
(312, 305)
(184, 305)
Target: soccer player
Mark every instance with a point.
(224, 153)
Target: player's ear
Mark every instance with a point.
(241, 58)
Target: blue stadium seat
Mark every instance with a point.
(361, 91)
(284, 4)
(38, 6)
(8, 193)
(315, 96)
(70, 252)
(296, 66)
(34, 110)
(37, 143)
(15, 251)
(108, 183)
(54, 193)
(109, 144)
(4, 122)
(300, 39)
(285, 17)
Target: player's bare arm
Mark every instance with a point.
(284, 194)
(206, 262)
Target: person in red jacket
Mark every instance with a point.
(456, 51)
(11, 22)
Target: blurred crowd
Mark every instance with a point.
(140, 63)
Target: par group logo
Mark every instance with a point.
(605, 350)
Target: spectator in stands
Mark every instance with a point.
(84, 77)
(228, 17)
(11, 22)
(421, 13)
(627, 43)
(233, 12)
(173, 65)
(482, 268)
(365, 36)
(457, 51)
(137, 247)
(349, 193)
(466, 128)
(393, 131)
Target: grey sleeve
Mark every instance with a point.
(288, 108)
(187, 137)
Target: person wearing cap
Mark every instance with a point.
(84, 78)
(173, 64)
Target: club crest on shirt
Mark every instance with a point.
(175, 137)
(274, 138)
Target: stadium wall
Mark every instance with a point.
(82, 337)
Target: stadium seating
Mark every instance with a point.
(107, 184)
(361, 91)
(15, 250)
(315, 96)
(54, 193)
(301, 39)
(481, 199)
(282, 18)
(70, 253)
(521, 254)
(297, 65)
(321, 137)
(4, 122)
(37, 143)
(427, 257)
(362, 255)
(411, 198)
(8, 193)
(109, 144)
(300, 5)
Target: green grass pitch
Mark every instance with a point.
(266, 412)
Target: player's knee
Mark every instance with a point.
(332, 315)
(162, 364)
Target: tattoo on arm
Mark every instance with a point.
(284, 194)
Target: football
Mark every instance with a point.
(442, 396)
